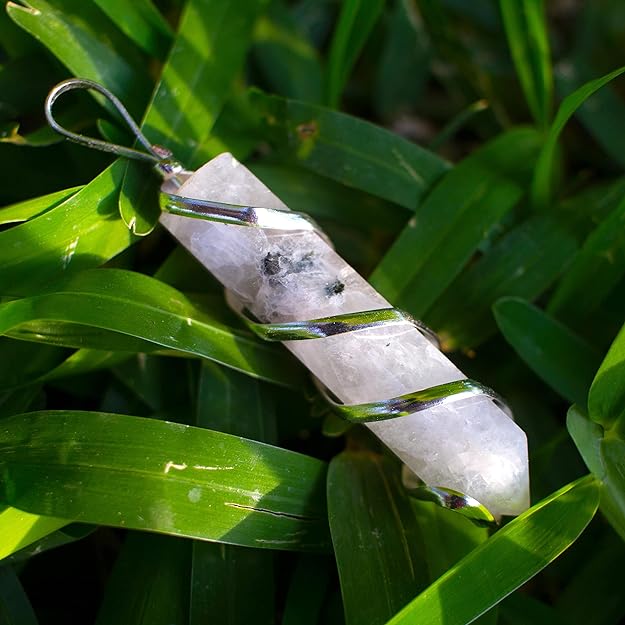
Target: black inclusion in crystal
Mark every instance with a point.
(271, 263)
(334, 288)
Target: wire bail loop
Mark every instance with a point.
(159, 156)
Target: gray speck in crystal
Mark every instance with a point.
(271, 263)
(334, 288)
(303, 264)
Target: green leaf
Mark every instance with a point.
(80, 233)
(595, 271)
(606, 400)
(226, 579)
(23, 211)
(356, 20)
(194, 85)
(456, 123)
(142, 307)
(288, 61)
(196, 80)
(525, 262)
(325, 199)
(375, 536)
(447, 536)
(141, 22)
(164, 477)
(15, 608)
(526, 29)
(149, 584)
(591, 596)
(78, 336)
(17, 401)
(307, 591)
(406, 52)
(543, 173)
(20, 529)
(80, 36)
(22, 364)
(603, 455)
(66, 535)
(85, 361)
(523, 609)
(235, 404)
(564, 360)
(507, 560)
(350, 150)
(603, 115)
(232, 585)
(148, 378)
(454, 220)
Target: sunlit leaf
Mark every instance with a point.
(164, 477)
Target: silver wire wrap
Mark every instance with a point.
(174, 175)
(392, 408)
(327, 326)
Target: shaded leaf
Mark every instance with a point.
(149, 584)
(447, 536)
(375, 536)
(307, 591)
(523, 609)
(485, 577)
(603, 113)
(15, 608)
(288, 61)
(606, 400)
(142, 22)
(80, 233)
(591, 596)
(604, 457)
(453, 221)
(164, 477)
(22, 364)
(231, 584)
(526, 29)
(68, 29)
(406, 53)
(525, 262)
(350, 150)
(595, 271)
(355, 22)
(543, 173)
(564, 360)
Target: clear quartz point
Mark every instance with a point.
(470, 446)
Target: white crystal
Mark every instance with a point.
(470, 446)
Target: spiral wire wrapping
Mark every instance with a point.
(394, 407)
(258, 217)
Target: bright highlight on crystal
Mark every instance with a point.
(470, 446)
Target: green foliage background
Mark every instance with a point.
(158, 463)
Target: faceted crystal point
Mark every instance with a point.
(470, 446)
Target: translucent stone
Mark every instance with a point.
(470, 446)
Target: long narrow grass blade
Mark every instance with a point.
(163, 477)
